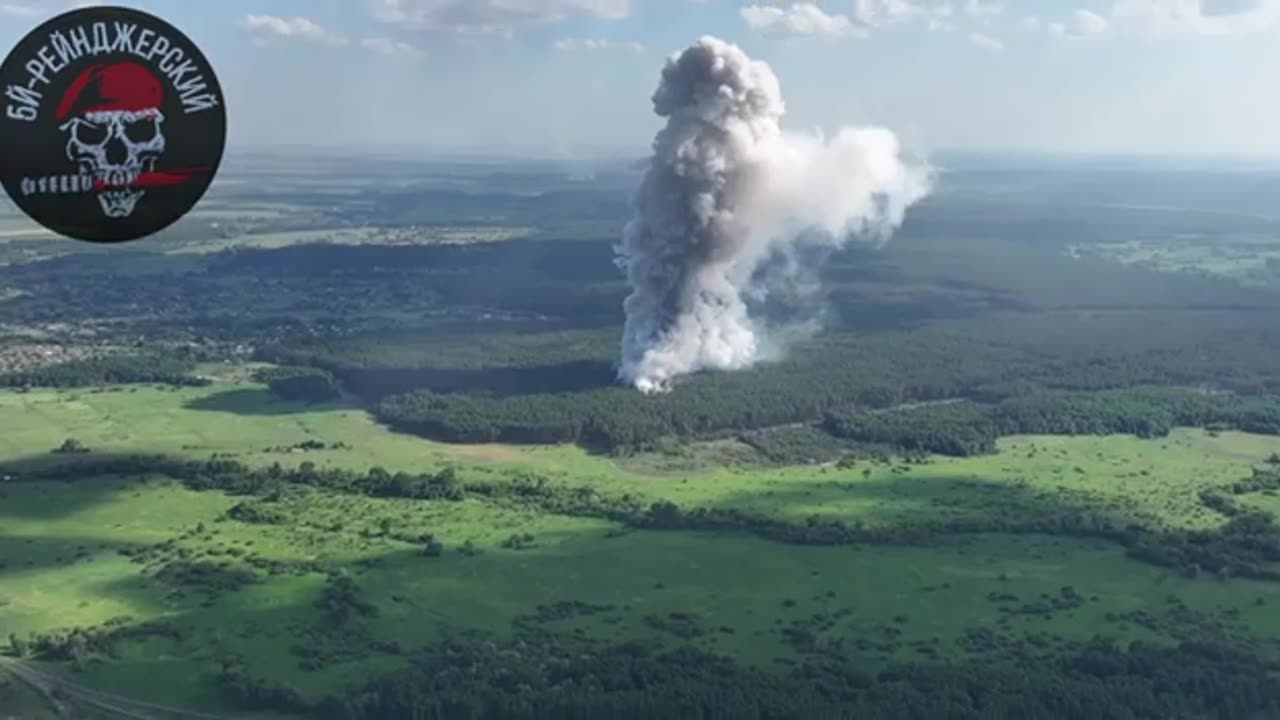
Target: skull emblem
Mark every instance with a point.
(111, 115)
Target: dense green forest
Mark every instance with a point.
(311, 385)
(477, 681)
(610, 420)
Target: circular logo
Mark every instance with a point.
(113, 124)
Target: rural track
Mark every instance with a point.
(54, 688)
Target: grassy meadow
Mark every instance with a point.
(763, 602)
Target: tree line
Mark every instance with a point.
(107, 370)
(621, 421)
(970, 428)
(300, 384)
(476, 679)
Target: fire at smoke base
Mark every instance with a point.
(727, 191)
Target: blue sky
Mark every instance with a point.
(572, 78)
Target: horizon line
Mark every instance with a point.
(618, 155)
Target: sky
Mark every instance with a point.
(573, 78)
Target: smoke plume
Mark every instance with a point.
(731, 209)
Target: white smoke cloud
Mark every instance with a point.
(727, 192)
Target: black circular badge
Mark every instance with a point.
(113, 124)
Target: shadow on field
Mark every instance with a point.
(48, 486)
(945, 505)
(255, 402)
(21, 554)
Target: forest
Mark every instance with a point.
(921, 418)
(300, 384)
(534, 681)
(973, 336)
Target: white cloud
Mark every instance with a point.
(1057, 28)
(1197, 17)
(492, 17)
(298, 28)
(588, 44)
(935, 15)
(874, 13)
(389, 47)
(305, 30)
(986, 42)
(1084, 22)
(802, 19)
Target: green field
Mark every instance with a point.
(763, 602)
(1248, 258)
(340, 236)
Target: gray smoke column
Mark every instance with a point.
(727, 191)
